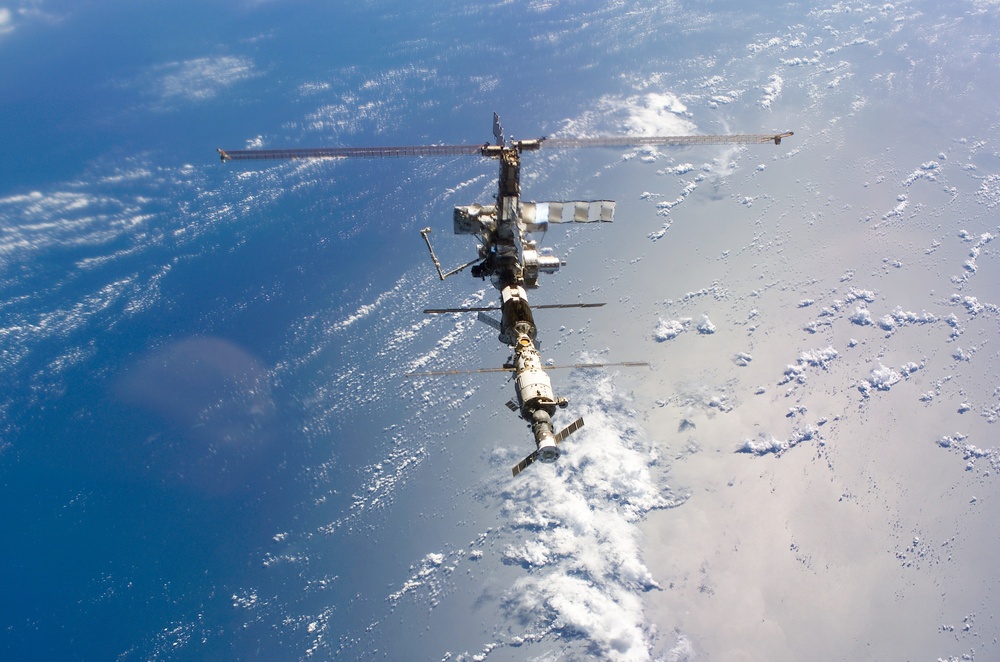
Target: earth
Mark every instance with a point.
(208, 445)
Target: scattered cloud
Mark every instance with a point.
(766, 443)
(819, 358)
(25, 11)
(670, 329)
(772, 90)
(200, 79)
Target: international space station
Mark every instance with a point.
(510, 258)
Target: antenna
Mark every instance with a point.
(511, 368)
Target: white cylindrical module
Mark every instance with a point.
(534, 387)
(549, 263)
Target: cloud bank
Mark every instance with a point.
(575, 523)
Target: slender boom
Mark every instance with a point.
(485, 150)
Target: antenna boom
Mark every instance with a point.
(492, 151)
(348, 152)
(667, 141)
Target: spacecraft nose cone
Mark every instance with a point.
(548, 454)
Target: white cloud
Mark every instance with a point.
(37, 221)
(772, 90)
(767, 443)
(819, 358)
(663, 207)
(576, 524)
(6, 24)
(670, 329)
(23, 11)
(653, 114)
(705, 326)
(882, 379)
(861, 316)
(200, 78)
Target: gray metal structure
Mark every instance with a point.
(510, 258)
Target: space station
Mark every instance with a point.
(511, 259)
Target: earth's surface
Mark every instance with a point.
(207, 446)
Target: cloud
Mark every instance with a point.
(575, 526)
(705, 326)
(970, 453)
(6, 24)
(200, 79)
(771, 90)
(99, 229)
(882, 379)
(767, 443)
(26, 11)
(819, 358)
(670, 329)
(652, 114)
